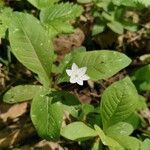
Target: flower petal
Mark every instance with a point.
(74, 67)
(69, 72)
(73, 80)
(80, 82)
(85, 77)
(82, 70)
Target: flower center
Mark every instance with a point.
(76, 75)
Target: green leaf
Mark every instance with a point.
(116, 27)
(118, 102)
(57, 17)
(108, 141)
(127, 142)
(98, 28)
(42, 3)
(31, 45)
(78, 131)
(121, 128)
(21, 93)
(141, 78)
(145, 145)
(6, 15)
(99, 63)
(46, 116)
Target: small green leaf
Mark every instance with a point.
(46, 116)
(98, 28)
(78, 131)
(21, 93)
(116, 27)
(108, 141)
(121, 128)
(33, 49)
(42, 3)
(145, 145)
(118, 102)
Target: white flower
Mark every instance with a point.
(77, 75)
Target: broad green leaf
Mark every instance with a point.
(6, 15)
(121, 128)
(57, 17)
(145, 144)
(108, 141)
(118, 102)
(21, 93)
(78, 131)
(99, 63)
(116, 27)
(127, 142)
(31, 45)
(46, 116)
(141, 78)
(42, 3)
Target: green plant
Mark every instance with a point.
(31, 43)
(112, 14)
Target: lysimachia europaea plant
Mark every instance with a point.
(112, 14)
(110, 124)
